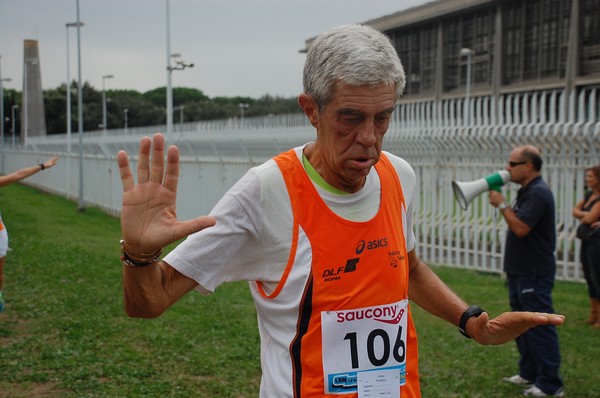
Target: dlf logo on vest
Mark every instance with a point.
(335, 273)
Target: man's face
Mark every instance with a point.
(518, 167)
(350, 132)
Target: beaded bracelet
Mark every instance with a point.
(127, 260)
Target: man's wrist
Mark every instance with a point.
(472, 311)
(503, 206)
(137, 261)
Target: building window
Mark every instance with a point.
(475, 31)
(590, 37)
(535, 40)
(452, 44)
(417, 51)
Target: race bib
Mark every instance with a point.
(367, 339)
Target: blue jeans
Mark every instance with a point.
(538, 347)
(590, 260)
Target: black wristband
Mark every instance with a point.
(472, 311)
(42, 167)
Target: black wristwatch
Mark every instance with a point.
(472, 311)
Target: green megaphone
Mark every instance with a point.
(464, 192)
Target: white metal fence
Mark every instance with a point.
(439, 143)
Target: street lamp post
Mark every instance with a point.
(7, 79)
(469, 54)
(69, 25)
(14, 108)
(179, 65)
(80, 207)
(125, 112)
(104, 123)
(169, 83)
(69, 121)
(242, 106)
(181, 107)
(2, 125)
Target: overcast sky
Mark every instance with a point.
(239, 47)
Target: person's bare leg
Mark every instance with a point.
(1, 282)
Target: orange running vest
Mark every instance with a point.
(354, 314)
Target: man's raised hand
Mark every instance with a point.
(148, 216)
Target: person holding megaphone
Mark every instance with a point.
(530, 267)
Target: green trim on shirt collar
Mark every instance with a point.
(317, 179)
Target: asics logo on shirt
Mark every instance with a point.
(371, 244)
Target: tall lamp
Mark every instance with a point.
(69, 121)
(80, 207)
(69, 25)
(14, 118)
(242, 106)
(179, 65)
(469, 54)
(7, 79)
(104, 123)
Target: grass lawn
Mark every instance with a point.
(64, 332)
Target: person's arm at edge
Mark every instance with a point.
(26, 172)
(428, 291)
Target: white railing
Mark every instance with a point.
(431, 136)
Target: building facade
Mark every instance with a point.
(511, 46)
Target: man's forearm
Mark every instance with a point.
(150, 290)
(428, 291)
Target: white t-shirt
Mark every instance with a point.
(253, 234)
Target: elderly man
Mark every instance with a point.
(322, 232)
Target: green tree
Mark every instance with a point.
(55, 105)
(143, 109)
(140, 111)
(11, 97)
